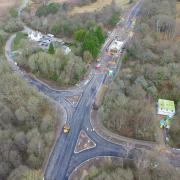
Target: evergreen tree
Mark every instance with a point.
(100, 35)
(51, 49)
(79, 35)
(91, 44)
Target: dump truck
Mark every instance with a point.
(66, 128)
(100, 96)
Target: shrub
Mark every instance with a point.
(51, 8)
(51, 49)
(18, 38)
(56, 29)
(13, 25)
(13, 12)
(114, 19)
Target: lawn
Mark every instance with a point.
(19, 36)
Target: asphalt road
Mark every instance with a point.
(61, 166)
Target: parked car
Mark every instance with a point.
(50, 35)
(44, 44)
(98, 66)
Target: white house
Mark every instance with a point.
(115, 46)
(46, 39)
(34, 35)
(166, 107)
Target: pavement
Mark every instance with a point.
(63, 160)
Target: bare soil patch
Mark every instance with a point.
(97, 6)
(5, 5)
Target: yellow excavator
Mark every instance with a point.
(66, 128)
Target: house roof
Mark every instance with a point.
(166, 105)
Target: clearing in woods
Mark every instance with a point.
(178, 21)
(98, 6)
(178, 9)
(5, 5)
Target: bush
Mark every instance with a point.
(21, 117)
(56, 29)
(18, 38)
(51, 8)
(3, 38)
(64, 69)
(51, 49)
(13, 12)
(13, 25)
(114, 19)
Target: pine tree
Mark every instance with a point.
(51, 49)
(100, 35)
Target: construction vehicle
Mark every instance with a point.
(111, 63)
(98, 59)
(100, 96)
(66, 128)
(115, 47)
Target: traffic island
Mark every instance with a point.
(73, 99)
(84, 142)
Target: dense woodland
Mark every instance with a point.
(58, 67)
(27, 126)
(28, 120)
(146, 165)
(150, 71)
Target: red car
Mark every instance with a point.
(98, 66)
